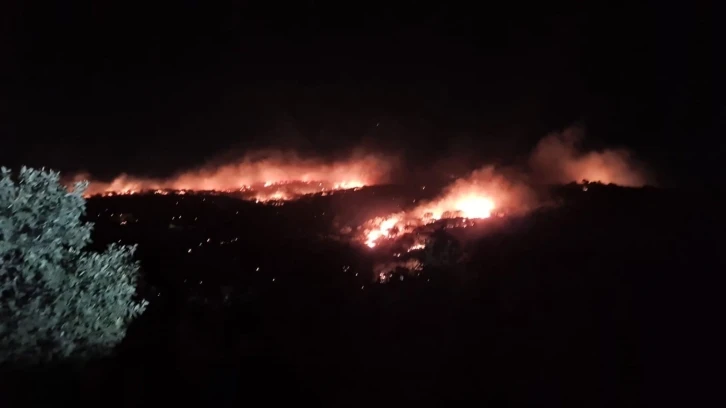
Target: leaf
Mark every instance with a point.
(57, 300)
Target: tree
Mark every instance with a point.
(57, 300)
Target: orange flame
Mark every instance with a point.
(282, 177)
(481, 195)
(383, 229)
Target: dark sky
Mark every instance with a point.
(149, 89)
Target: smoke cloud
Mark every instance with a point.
(482, 192)
(558, 159)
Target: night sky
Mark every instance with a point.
(111, 87)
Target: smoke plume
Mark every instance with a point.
(558, 159)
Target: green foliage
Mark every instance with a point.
(57, 300)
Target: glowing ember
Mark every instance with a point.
(384, 272)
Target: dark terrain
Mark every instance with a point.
(603, 300)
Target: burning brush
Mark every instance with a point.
(484, 194)
(279, 177)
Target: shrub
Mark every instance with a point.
(57, 300)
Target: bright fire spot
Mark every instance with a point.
(475, 207)
(382, 230)
(416, 247)
(454, 205)
(481, 195)
(468, 207)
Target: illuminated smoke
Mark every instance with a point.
(480, 195)
(557, 159)
(276, 176)
(492, 191)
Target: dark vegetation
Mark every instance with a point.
(602, 300)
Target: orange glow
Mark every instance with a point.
(481, 195)
(475, 207)
(383, 229)
(270, 178)
(557, 158)
(470, 206)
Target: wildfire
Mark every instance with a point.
(290, 190)
(469, 207)
(483, 194)
(381, 230)
(279, 178)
